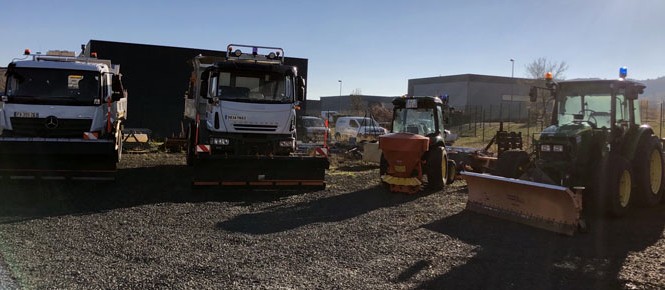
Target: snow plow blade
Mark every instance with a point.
(57, 159)
(261, 172)
(545, 206)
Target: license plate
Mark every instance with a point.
(400, 168)
(26, 114)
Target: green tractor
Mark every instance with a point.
(596, 155)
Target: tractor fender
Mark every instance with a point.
(633, 140)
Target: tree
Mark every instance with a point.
(357, 104)
(537, 68)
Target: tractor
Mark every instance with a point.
(415, 146)
(595, 159)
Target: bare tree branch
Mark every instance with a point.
(537, 68)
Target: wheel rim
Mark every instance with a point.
(624, 188)
(655, 171)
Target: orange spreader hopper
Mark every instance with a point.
(404, 152)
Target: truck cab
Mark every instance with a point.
(58, 108)
(241, 111)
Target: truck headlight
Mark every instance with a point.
(219, 141)
(286, 143)
(545, 148)
(557, 148)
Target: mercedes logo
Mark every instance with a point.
(51, 122)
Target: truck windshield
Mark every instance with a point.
(30, 85)
(593, 108)
(416, 121)
(265, 88)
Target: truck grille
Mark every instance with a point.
(38, 127)
(255, 128)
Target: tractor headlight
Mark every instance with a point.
(557, 148)
(286, 143)
(545, 148)
(219, 141)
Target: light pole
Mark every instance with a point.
(512, 86)
(339, 109)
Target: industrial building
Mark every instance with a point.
(497, 98)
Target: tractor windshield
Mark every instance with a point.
(416, 121)
(593, 108)
(263, 88)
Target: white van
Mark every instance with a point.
(360, 128)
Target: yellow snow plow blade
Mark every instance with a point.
(545, 206)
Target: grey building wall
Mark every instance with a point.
(494, 97)
(343, 104)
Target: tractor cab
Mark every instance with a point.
(419, 115)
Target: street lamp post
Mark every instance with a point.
(340, 97)
(512, 86)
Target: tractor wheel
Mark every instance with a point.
(648, 168)
(383, 170)
(191, 135)
(452, 172)
(437, 164)
(512, 164)
(619, 190)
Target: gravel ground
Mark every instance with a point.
(148, 230)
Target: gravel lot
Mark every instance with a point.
(148, 230)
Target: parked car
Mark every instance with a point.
(357, 128)
(311, 129)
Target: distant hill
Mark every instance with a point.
(655, 89)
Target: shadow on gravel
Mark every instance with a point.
(25, 200)
(513, 256)
(331, 209)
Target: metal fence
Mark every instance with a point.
(483, 121)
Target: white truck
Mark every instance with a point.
(241, 116)
(61, 117)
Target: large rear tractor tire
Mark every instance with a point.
(437, 172)
(619, 191)
(512, 164)
(649, 174)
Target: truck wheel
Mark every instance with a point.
(338, 137)
(191, 130)
(512, 163)
(620, 186)
(437, 164)
(119, 142)
(648, 168)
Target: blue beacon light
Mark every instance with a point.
(623, 72)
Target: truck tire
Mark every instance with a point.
(619, 191)
(649, 174)
(119, 142)
(191, 131)
(512, 163)
(437, 168)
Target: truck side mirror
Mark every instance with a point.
(533, 94)
(117, 89)
(301, 92)
(203, 86)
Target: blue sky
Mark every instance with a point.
(374, 46)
